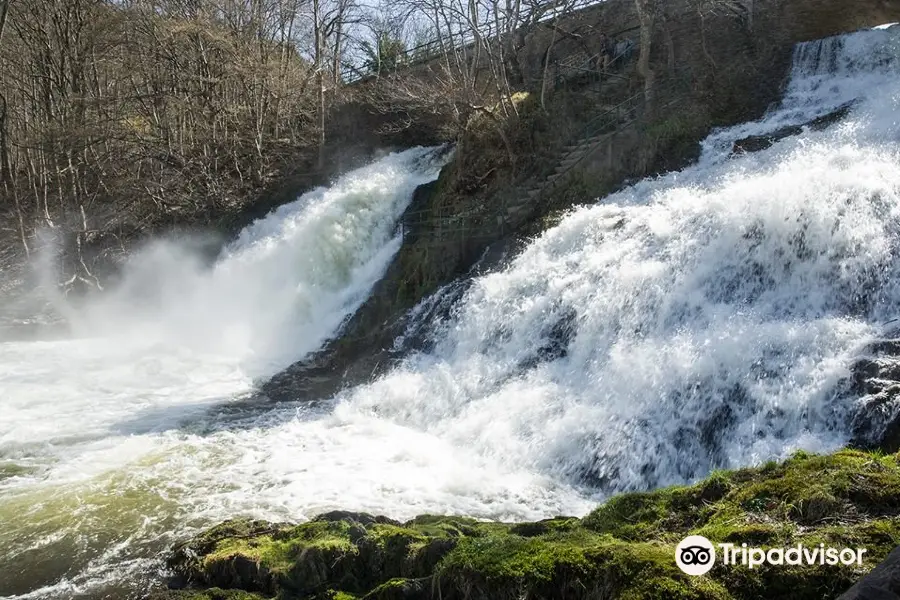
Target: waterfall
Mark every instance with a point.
(825, 75)
(819, 57)
(173, 341)
(701, 320)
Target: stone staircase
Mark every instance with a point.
(598, 130)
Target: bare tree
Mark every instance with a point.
(119, 117)
(647, 11)
(652, 16)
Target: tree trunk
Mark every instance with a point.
(546, 76)
(319, 40)
(6, 174)
(646, 10)
(4, 8)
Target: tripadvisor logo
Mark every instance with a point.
(696, 555)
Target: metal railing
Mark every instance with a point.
(626, 112)
(437, 47)
(422, 53)
(589, 66)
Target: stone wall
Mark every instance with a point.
(777, 21)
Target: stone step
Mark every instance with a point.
(584, 146)
(579, 151)
(516, 211)
(585, 142)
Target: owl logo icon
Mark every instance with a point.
(695, 555)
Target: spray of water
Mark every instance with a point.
(699, 320)
(174, 340)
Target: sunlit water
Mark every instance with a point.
(102, 433)
(695, 321)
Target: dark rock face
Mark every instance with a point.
(756, 143)
(875, 379)
(185, 562)
(313, 379)
(883, 583)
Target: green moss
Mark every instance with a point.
(647, 570)
(569, 564)
(625, 548)
(557, 525)
(278, 550)
(440, 526)
(208, 594)
(510, 556)
(393, 584)
(770, 502)
(397, 588)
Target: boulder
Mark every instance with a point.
(756, 143)
(883, 583)
(875, 381)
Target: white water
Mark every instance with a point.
(177, 339)
(697, 321)
(827, 74)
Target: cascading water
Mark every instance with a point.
(695, 321)
(825, 75)
(174, 341)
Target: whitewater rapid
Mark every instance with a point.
(700, 320)
(87, 419)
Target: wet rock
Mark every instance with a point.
(883, 583)
(555, 338)
(624, 548)
(312, 379)
(875, 383)
(186, 560)
(558, 337)
(756, 143)
(402, 589)
(364, 519)
(877, 422)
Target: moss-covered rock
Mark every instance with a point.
(207, 594)
(623, 549)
